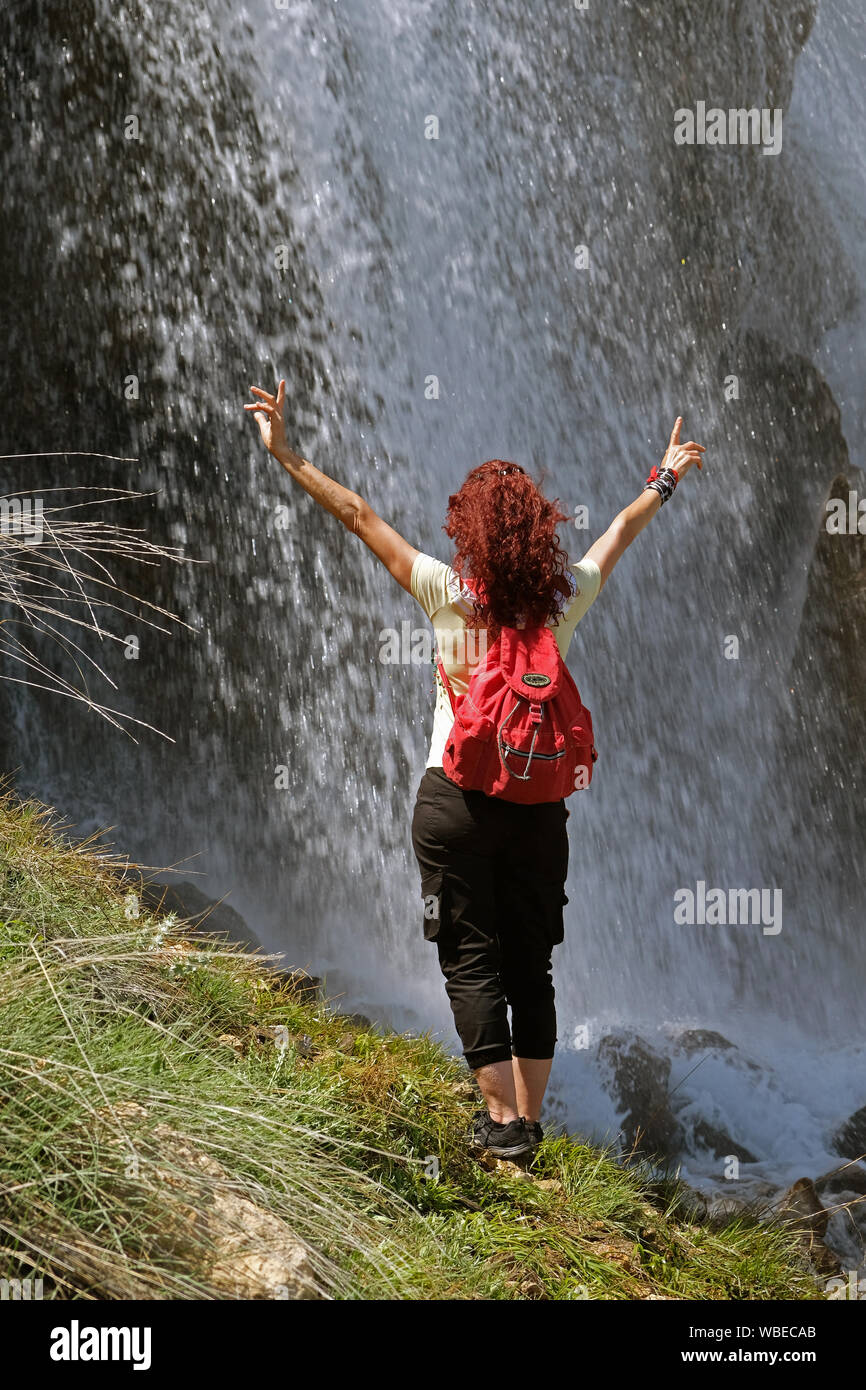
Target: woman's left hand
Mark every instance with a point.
(268, 415)
(680, 457)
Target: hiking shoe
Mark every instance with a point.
(509, 1140)
(534, 1133)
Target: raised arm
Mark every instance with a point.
(396, 554)
(632, 519)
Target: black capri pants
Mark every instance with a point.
(492, 882)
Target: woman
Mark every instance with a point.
(492, 871)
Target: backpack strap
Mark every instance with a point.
(446, 682)
(462, 587)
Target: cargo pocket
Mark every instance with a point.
(555, 900)
(434, 904)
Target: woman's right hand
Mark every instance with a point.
(268, 415)
(680, 457)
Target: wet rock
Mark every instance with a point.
(802, 1208)
(637, 1076)
(693, 1040)
(850, 1138)
(837, 591)
(827, 773)
(802, 1212)
(851, 1177)
(843, 1191)
(846, 1239)
(719, 1143)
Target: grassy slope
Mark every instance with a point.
(102, 1011)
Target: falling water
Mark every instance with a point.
(373, 199)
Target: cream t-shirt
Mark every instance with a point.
(446, 603)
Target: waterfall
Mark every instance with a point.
(382, 204)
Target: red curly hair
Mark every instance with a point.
(507, 548)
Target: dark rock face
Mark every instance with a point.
(189, 902)
(152, 267)
(851, 1177)
(637, 1078)
(821, 744)
(834, 619)
(203, 914)
(850, 1138)
(693, 1040)
(834, 624)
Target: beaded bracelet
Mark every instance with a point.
(663, 481)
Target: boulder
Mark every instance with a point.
(636, 1077)
(693, 1040)
(801, 1211)
(851, 1177)
(690, 1042)
(850, 1138)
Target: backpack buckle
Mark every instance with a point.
(536, 713)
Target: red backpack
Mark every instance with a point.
(520, 732)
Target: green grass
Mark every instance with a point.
(133, 1047)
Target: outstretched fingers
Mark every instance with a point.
(266, 395)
